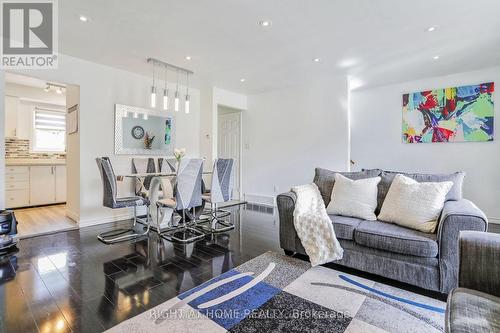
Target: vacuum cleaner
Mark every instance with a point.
(8, 230)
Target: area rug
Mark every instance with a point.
(275, 293)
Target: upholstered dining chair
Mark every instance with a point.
(187, 196)
(143, 165)
(111, 200)
(166, 164)
(221, 191)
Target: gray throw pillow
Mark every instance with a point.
(325, 179)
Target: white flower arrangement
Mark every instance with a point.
(179, 153)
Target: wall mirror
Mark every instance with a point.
(143, 131)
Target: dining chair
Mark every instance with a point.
(167, 164)
(141, 166)
(111, 200)
(187, 196)
(221, 191)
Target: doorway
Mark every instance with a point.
(35, 154)
(229, 141)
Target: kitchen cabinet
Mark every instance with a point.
(60, 183)
(35, 185)
(11, 111)
(42, 184)
(18, 118)
(17, 186)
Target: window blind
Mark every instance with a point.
(50, 120)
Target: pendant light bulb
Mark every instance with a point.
(165, 90)
(176, 101)
(186, 109)
(153, 97)
(153, 90)
(165, 99)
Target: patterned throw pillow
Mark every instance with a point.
(355, 198)
(414, 205)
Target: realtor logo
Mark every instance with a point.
(29, 31)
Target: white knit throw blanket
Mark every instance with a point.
(314, 227)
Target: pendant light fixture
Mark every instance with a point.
(186, 108)
(166, 102)
(176, 100)
(153, 89)
(165, 91)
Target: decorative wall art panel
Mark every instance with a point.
(457, 114)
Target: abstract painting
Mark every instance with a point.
(457, 114)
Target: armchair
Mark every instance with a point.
(475, 305)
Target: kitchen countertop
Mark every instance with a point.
(28, 161)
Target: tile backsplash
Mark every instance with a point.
(20, 148)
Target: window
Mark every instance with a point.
(49, 133)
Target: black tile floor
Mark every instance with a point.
(71, 282)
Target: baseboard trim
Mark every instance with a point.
(103, 220)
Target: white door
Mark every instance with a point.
(60, 183)
(42, 185)
(229, 144)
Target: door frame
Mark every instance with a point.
(240, 155)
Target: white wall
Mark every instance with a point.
(289, 132)
(211, 98)
(100, 88)
(73, 159)
(376, 139)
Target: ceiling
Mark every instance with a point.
(374, 42)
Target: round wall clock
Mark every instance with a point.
(137, 132)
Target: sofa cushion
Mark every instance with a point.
(455, 192)
(391, 237)
(472, 311)
(344, 226)
(325, 179)
(414, 205)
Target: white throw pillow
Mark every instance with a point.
(356, 198)
(414, 205)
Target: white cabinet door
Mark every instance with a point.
(11, 106)
(42, 185)
(24, 121)
(60, 183)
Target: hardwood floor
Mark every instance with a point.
(42, 220)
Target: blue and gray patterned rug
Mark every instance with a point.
(275, 293)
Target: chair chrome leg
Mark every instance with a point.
(172, 235)
(109, 237)
(216, 222)
(226, 226)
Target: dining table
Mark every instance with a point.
(158, 189)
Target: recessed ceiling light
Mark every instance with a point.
(432, 28)
(316, 59)
(265, 23)
(436, 57)
(188, 57)
(83, 18)
(242, 80)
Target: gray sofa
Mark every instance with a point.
(475, 305)
(425, 260)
